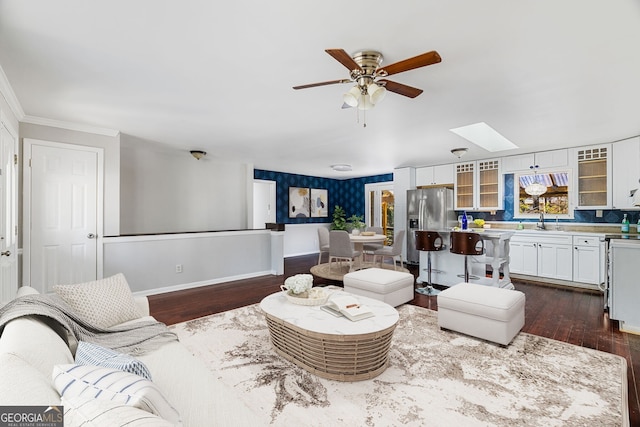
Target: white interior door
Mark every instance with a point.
(62, 243)
(8, 215)
(264, 203)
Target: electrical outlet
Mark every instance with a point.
(599, 213)
(178, 268)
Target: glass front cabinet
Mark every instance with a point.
(593, 165)
(479, 186)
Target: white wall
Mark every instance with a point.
(166, 190)
(301, 239)
(149, 262)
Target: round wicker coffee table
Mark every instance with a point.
(327, 346)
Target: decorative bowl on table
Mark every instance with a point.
(316, 296)
(367, 233)
(299, 290)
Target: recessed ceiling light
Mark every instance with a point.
(341, 167)
(484, 136)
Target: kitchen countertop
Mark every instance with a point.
(626, 236)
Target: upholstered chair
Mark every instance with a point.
(341, 248)
(323, 242)
(394, 252)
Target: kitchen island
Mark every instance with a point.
(448, 268)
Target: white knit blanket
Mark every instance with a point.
(134, 338)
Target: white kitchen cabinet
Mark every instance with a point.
(593, 183)
(523, 257)
(435, 175)
(586, 259)
(626, 172)
(519, 163)
(544, 159)
(555, 261)
(542, 254)
(479, 186)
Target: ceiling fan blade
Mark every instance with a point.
(331, 82)
(344, 58)
(423, 60)
(401, 89)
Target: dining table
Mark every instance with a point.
(360, 240)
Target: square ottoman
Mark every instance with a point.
(390, 286)
(491, 313)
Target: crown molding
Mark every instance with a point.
(9, 95)
(70, 126)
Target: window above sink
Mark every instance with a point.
(555, 202)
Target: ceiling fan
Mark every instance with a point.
(369, 76)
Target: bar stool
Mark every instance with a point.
(466, 243)
(428, 241)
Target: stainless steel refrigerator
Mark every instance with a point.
(428, 209)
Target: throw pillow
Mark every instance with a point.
(103, 303)
(89, 412)
(114, 386)
(92, 354)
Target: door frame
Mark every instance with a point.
(15, 198)
(377, 189)
(27, 145)
(272, 200)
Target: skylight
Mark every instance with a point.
(485, 137)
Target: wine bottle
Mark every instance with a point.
(464, 220)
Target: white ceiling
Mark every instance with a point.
(218, 76)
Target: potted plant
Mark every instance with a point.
(356, 223)
(339, 219)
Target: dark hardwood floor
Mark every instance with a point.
(572, 316)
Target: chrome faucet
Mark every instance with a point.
(540, 224)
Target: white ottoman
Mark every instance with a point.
(491, 313)
(390, 286)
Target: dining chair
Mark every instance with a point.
(323, 242)
(394, 251)
(370, 248)
(341, 248)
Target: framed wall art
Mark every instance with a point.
(319, 203)
(299, 202)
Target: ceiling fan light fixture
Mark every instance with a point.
(352, 96)
(365, 103)
(376, 92)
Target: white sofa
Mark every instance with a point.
(31, 346)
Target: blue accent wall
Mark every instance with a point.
(348, 193)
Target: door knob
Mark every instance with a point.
(91, 236)
(5, 253)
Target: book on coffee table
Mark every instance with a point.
(347, 306)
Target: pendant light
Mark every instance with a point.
(535, 188)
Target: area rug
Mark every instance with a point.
(434, 378)
(337, 272)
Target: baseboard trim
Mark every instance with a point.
(198, 284)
